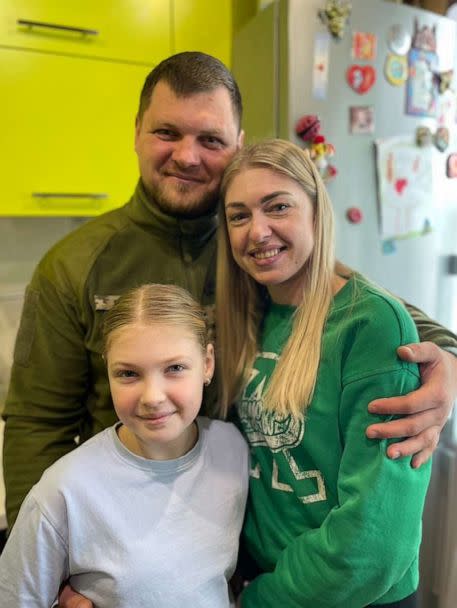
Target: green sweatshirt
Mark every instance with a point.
(330, 519)
(59, 388)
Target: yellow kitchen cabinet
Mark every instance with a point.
(67, 134)
(126, 30)
(202, 25)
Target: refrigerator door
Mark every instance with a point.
(277, 50)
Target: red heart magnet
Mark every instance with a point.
(400, 185)
(361, 78)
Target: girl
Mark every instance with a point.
(305, 344)
(148, 512)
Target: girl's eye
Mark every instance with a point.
(125, 373)
(175, 369)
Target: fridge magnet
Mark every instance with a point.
(451, 165)
(421, 90)
(399, 40)
(320, 66)
(361, 120)
(396, 69)
(444, 81)
(405, 186)
(308, 127)
(424, 38)
(354, 215)
(424, 137)
(361, 78)
(441, 138)
(335, 16)
(364, 46)
(320, 152)
(389, 247)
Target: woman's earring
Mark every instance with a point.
(207, 381)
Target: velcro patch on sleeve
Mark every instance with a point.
(105, 302)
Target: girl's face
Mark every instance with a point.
(156, 374)
(271, 230)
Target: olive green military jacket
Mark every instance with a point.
(59, 392)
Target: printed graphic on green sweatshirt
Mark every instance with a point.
(263, 427)
(278, 433)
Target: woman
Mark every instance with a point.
(331, 521)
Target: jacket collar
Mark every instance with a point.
(144, 211)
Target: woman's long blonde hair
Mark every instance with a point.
(240, 300)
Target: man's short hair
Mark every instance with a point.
(189, 73)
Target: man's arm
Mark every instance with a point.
(427, 409)
(69, 598)
(46, 397)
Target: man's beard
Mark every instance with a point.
(189, 209)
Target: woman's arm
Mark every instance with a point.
(426, 410)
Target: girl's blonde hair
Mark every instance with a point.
(155, 303)
(240, 300)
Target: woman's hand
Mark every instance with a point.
(427, 409)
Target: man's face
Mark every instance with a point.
(183, 146)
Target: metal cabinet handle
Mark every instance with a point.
(67, 28)
(72, 195)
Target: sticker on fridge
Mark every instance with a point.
(361, 120)
(320, 67)
(421, 90)
(364, 46)
(405, 187)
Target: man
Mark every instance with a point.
(188, 127)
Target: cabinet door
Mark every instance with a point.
(203, 25)
(127, 30)
(67, 134)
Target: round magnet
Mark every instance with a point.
(396, 69)
(399, 39)
(354, 215)
(389, 247)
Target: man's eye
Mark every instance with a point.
(165, 134)
(212, 142)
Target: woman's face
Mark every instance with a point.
(270, 223)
